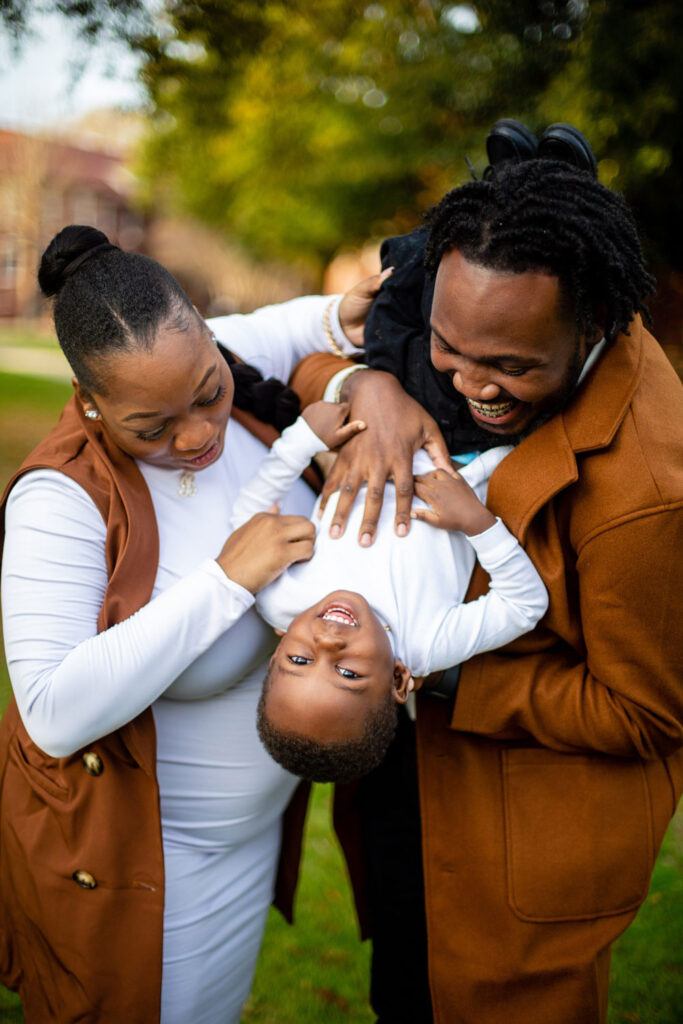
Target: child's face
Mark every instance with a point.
(333, 665)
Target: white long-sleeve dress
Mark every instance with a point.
(196, 653)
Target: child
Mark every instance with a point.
(328, 708)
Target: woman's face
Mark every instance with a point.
(168, 406)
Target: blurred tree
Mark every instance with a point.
(122, 20)
(300, 127)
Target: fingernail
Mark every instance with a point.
(335, 531)
(366, 540)
(401, 529)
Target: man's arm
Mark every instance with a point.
(623, 695)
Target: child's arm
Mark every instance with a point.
(517, 598)
(320, 427)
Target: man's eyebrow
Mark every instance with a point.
(512, 357)
(151, 415)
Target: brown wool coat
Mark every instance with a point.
(93, 955)
(545, 797)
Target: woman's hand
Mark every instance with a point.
(328, 421)
(355, 305)
(453, 505)
(397, 426)
(260, 551)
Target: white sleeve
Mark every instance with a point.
(72, 683)
(281, 468)
(513, 605)
(275, 338)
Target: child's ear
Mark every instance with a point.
(402, 683)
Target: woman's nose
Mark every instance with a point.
(194, 434)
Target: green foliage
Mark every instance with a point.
(299, 129)
(95, 20)
(318, 126)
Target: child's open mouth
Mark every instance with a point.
(336, 613)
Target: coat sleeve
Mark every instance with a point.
(622, 695)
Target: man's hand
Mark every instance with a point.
(396, 427)
(328, 421)
(453, 505)
(354, 306)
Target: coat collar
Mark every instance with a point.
(545, 462)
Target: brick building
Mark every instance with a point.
(45, 184)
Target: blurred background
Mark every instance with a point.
(262, 149)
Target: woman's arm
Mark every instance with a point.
(275, 338)
(72, 684)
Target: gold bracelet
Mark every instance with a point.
(329, 336)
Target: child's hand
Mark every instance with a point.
(260, 550)
(453, 505)
(327, 420)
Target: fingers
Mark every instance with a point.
(347, 496)
(425, 515)
(436, 449)
(374, 500)
(300, 551)
(348, 431)
(296, 528)
(403, 482)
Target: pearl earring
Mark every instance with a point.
(92, 414)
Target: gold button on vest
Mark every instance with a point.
(92, 763)
(84, 879)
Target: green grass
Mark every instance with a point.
(318, 970)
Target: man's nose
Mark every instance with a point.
(475, 382)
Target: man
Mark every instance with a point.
(548, 779)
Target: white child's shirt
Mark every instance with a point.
(415, 584)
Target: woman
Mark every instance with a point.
(140, 815)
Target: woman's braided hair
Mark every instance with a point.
(544, 215)
(107, 300)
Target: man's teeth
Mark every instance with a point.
(339, 615)
(490, 409)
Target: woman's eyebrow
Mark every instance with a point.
(151, 415)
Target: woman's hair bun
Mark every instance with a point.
(73, 243)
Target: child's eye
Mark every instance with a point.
(346, 672)
(298, 659)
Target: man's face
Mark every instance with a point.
(508, 343)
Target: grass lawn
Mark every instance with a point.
(318, 970)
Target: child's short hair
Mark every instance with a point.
(340, 761)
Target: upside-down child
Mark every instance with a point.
(362, 624)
